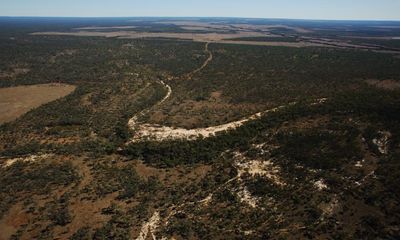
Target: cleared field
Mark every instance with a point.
(201, 37)
(223, 38)
(16, 101)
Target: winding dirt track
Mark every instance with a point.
(208, 60)
(133, 122)
(158, 133)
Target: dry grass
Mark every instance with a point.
(16, 101)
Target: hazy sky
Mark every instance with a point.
(303, 9)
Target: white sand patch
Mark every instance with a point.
(248, 232)
(260, 168)
(382, 142)
(319, 101)
(169, 92)
(154, 132)
(359, 164)
(320, 185)
(158, 133)
(30, 158)
(149, 227)
(264, 148)
(206, 201)
(254, 168)
(246, 197)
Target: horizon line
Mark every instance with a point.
(204, 17)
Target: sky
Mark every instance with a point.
(293, 9)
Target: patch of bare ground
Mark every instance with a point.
(154, 132)
(149, 227)
(8, 162)
(384, 84)
(151, 132)
(10, 224)
(86, 213)
(16, 101)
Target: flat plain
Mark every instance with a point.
(15, 101)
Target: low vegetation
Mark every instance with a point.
(324, 165)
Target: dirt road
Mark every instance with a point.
(208, 60)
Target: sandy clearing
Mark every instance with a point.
(154, 132)
(254, 167)
(158, 133)
(149, 227)
(16, 101)
(320, 185)
(12, 221)
(260, 168)
(30, 158)
(245, 197)
(206, 200)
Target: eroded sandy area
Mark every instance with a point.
(149, 227)
(28, 159)
(154, 132)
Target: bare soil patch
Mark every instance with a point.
(16, 101)
(14, 219)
